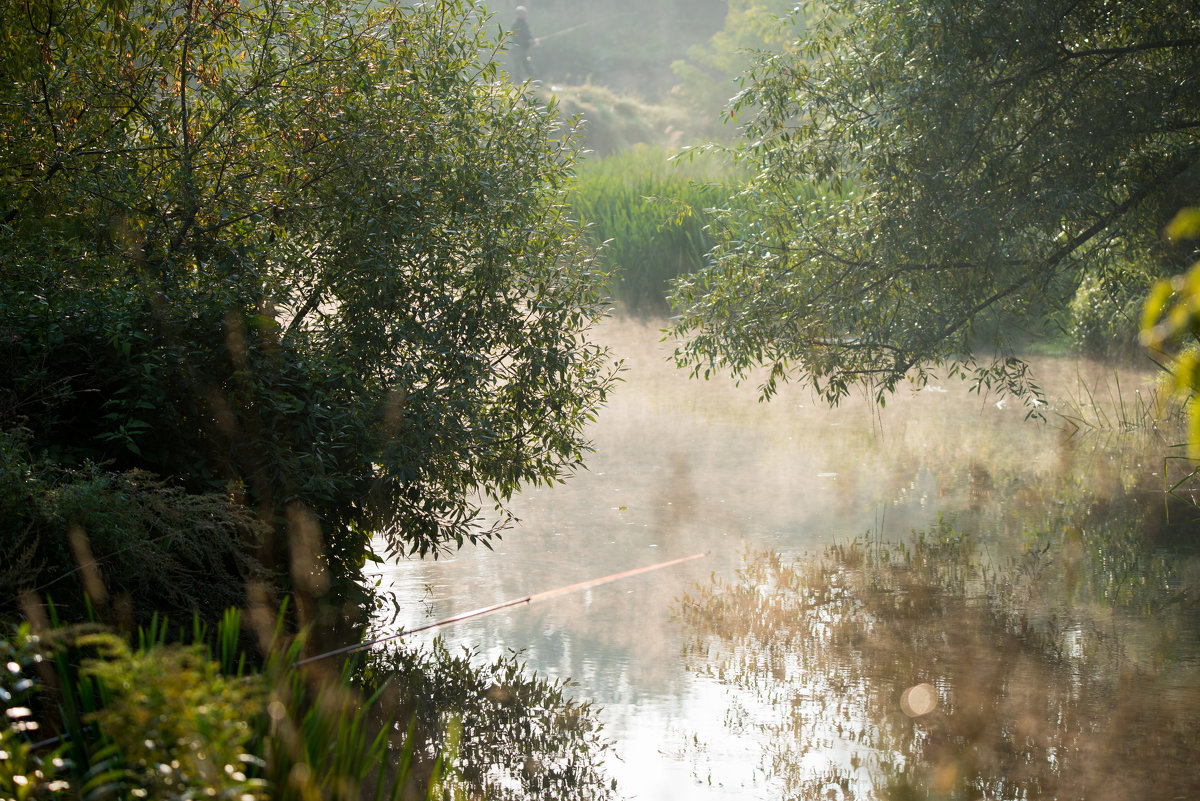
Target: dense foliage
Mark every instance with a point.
(980, 159)
(122, 541)
(304, 253)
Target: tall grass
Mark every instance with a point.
(173, 721)
(654, 214)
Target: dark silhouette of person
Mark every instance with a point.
(523, 42)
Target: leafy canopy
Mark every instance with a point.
(306, 252)
(973, 159)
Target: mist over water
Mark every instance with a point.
(684, 466)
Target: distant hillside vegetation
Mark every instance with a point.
(628, 45)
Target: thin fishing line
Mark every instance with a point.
(528, 599)
(485, 610)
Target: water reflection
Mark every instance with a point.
(682, 466)
(924, 670)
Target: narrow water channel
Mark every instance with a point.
(699, 710)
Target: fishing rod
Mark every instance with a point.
(487, 610)
(573, 28)
(540, 39)
(484, 610)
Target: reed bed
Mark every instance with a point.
(654, 215)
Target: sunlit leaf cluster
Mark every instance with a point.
(181, 727)
(1171, 323)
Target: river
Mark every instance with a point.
(683, 466)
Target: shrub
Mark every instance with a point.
(1104, 314)
(181, 727)
(319, 288)
(90, 533)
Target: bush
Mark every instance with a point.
(320, 288)
(1104, 315)
(181, 727)
(176, 722)
(86, 533)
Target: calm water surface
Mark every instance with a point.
(702, 705)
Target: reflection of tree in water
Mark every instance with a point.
(502, 732)
(1042, 685)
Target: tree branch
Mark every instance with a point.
(1062, 252)
(1169, 44)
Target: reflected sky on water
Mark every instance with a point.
(684, 466)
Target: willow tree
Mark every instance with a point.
(308, 253)
(973, 162)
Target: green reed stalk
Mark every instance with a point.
(653, 215)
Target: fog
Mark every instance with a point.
(625, 45)
(684, 466)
